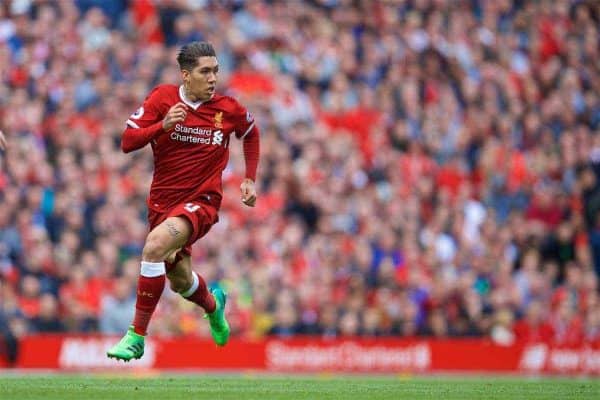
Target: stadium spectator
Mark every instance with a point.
(534, 327)
(117, 306)
(47, 319)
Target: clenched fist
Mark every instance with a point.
(175, 114)
(248, 189)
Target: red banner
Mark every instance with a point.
(310, 355)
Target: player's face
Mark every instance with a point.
(202, 80)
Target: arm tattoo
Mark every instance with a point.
(172, 229)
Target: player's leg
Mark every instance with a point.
(161, 242)
(192, 287)
(168, 236)
(172, 258)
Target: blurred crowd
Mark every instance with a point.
(428, 167)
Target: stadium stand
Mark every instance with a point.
(428, 168)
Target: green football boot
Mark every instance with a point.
(219, 327)
(130, 346)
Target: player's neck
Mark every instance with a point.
(191, 97)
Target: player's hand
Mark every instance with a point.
(248, 189)
(175, 114)
(2, 141)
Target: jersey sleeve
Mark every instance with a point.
(244, 121)
(144, 124)
(148, 113)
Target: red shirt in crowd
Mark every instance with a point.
(527, 331)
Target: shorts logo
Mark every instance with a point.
(219, 120)
(191, 207)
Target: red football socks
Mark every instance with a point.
(151, 284)
(200, 295)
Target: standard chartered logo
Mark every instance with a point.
(217, 138)
(196, 135)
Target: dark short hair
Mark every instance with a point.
(189, 53)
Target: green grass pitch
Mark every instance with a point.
(283, 387)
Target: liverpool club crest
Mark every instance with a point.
(219, 120)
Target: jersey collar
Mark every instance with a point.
(190, 103)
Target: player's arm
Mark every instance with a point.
(136, 137)
(246, 130)
(141, 129)
(2, 141)
(251, 147)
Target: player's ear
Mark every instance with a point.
(185, 75)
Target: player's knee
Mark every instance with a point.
(155, 248)
(176, 285)
(179, 284)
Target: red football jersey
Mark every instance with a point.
(190, 158)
